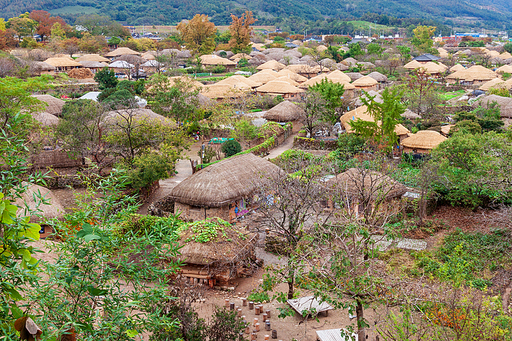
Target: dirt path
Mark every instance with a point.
(287, 144)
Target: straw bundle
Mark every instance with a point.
(284, 112)
(278, 87)
(271, 65)
(423, 139)
(224, 182)
(46, 119)
(30, 201)
(365, 82)
(82, 73)
(93, 58)
(54, 105)
(210, 59)
(122, 51)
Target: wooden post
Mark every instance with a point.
(274, 334)
(257, 310)
(226, 302)
(251, 305)
(239, 312)
(244, 302)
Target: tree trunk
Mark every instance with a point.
(361, 334)
(291, 278)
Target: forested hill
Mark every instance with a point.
(488, 13)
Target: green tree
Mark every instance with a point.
(57, 31)
(231, 147)
(375, 49)
(114, 41)
(354, 51)
(508, 47)
(22, 25)
(423, 38)
(106, 78)
(332, 93)
(487, 117)
(405, 53)
(386, 116)
(176, 98)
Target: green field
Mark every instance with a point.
(365, 26)
(74, 10)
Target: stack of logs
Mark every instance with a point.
(256, 326)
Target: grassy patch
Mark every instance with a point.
(74, 10)
(446, 96)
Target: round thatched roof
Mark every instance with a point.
(272, 65)
(279, 87)
(122, 51)
(377, 97)
(361, 113)
(150, 55)
(504, 69)
(93, 64)
(411, 115)
(350, 61)
(237, 79)
(92, 58)
(505, 104)
(505, 56)
(42, 66)
(354, 75)
(224, 182)
(262, 77)
(288, 80)
(54, 105)
(364, 81)
(423, 139)
(239, 56)
(363, 183)
(331, 77)
(225, 90)
(285, 111)
(62, 62)
(211, 59)
(30, 201)
(292, 75)
(121, 64)
(496, 83)
(379, 77)
(306, 69)
(457, 67)
(474, 73)
(413, 65)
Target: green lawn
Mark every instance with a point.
(365, 25)
(449, 95)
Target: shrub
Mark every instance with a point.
(231, 147)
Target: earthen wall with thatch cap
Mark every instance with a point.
(422, 142)
(223, 182)
(285, 111)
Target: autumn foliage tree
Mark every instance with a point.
(45, 22)
(241, 32)
(198, 34)
(7, 39)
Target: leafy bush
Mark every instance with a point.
(231, 147)
(119, 98)
(351, 144)
(148, 168)
(106, 78)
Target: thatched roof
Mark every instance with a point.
(30, 199)
(90, 64)
(505, 55)
(411, 115)
(262, 77)
(504, 69)
(306, 69)
(239, 56)
(354, 75)
(457, 67)
(361, 113)
(413, 65)
(54, 105)
(211, 59)
(505, 104)
(434, 68)
(121, 64)
(225, 90)
(62, 62)
(46, 119)
(223, 182)
(423, 139)
(292, 75)
(350, 61)
(284, 112)
(338, 77)
(474, 73)
(92, 58)
(321, 48)
(150, 55)
(288, 80)
(334, 79)
(377, 97)
(272, 65)
(42, 66)
(365, 81)
(279, 87)
(122, 51)
(379, 77)
(227, 248)
(152, 63)
(493, 54)
(237, 79)
(496, 83)
(363, 184)
(445, 130)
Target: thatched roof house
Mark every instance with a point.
(457, 67)
(238, 79)
(335, 77)
(475, 74)
(63, 64)
(413, 65)
(377, 97)
(262, 77)
(379, 77)
(276, 87)
(505, 55)
(287, 80)
(54, 105)
(223, 189)
(496, 83)
(149, 55)
(504, 69)
(365, 82)
(122, 51)
(272, 65)
(44, 68)
(307, 70)
(285, 111)
(46, 119)
(422, 142)
(354, 75)
(237, 57)
(221, 91)
(214, 60)
(292, 75)
(361, 113)
(411, 115)
(93, 58)
(94, 65)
